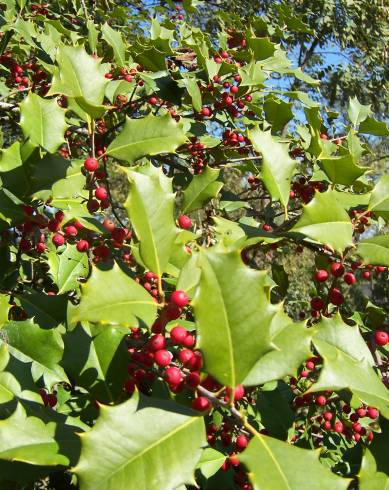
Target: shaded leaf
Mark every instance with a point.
(96, 357)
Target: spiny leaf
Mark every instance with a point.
(150, 205)
(150, 135)
(325, 220)
(374, 250)
(230, 336)
(29, 342)
(43, 122)
(379, 200)
(115, 40)
(111, 296)
(202, 187)
(277, 166)
(96, 358)
(66, 268)
(131, 457)
(30, 440)
(276, 465)
(69, 79)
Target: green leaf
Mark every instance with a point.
(374, 127)
(112, 297)
(374, 250)
(368, 477)
(345, 337)
(357, 112)
(66, 268)
(4, 308)
(96, 358)
(210, 461)
(292, 348)
(70, 79)
(277, 166)
(341, 169)
(92, 35)
(230, 337)
(48, 311)
(379, 200)
(150, 135)
(193, 90)
(13, 171)
(150, 205)
(152, 455)
(43, 122)
(202, 187)
(344, 371)
(275, 412)
(115, 40)
(43, 348)
(278, 113)
(30, 440)
(276, 465)
(325, 221)
(252, 74)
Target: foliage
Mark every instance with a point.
(191, 255)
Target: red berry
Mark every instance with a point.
(361, 412)
(189, 341)
(59, 215)
(153, 100)
(241, 442)
(381, 337)
(185, 222)
(327, 425)
(349, 278)
(173, 375)
(321, 400)
(173, 311)
(157, 342)
(58, 240)
(101, 193)
(356, 427)
(328, 415)
(338, 427)
(163, 357)
(321, 275)
(92, 205)
(193, 379)
(238, 392)
(323, 136)
(185, 356)
(224, 55)
(71, 230)
(178, 334)
(201, 404)
(336, 297)
(337, 269)
(366, 274)
(317, 304)
(52, 400)
(206, 111)
(372, 413)
(129, 386)
(179, 298)
(82, 246)
(91, 164)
